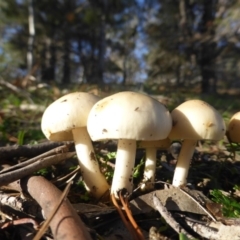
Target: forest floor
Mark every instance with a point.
(214, 174)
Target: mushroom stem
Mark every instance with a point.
(93, 179)
(150, 164)
(183, 163)
(125, 160)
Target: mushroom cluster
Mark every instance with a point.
(129, 117)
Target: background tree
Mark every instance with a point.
(70, 41)
(169, 42)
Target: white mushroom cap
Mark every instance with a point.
(67, 113)
(129, 115)
(196, 120)
(233, 131)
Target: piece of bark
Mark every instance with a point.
(168, 217)
(66, 224)
(24, 205)
(216, 231)
(173, 199)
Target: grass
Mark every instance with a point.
(230, 205)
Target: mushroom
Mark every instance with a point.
(233, 130)
(193, 120)
(128, 117)
(66, 120)
(150, 163)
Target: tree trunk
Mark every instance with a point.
(52, 61)
(31, 36)
(205, 79)
(102, 47)
(66, 62)
(48, 61)
(208, 51)
(208, 84)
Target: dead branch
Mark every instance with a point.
(12, 176)
(28, 151)
(57, 150)
(66, 224)
(203, 230)
(59, 202)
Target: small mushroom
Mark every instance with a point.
(151, 155)
(193, 120)
(233, 130)
(128, 117)
(66, 120)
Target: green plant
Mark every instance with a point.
(43, 172)
(11, 99)
(84, 196)
(230, 206)
(108, 170)
(138, 170)
(182, 236)
(111, 155)
(20, 137)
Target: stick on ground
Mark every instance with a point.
(12, 176)
(28, 151)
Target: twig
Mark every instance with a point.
(128, 226)
(12, 176)
(112, 165)
(71, 175)
(15, 89)
(61, 149)
(217, 231)
(124, 202)
(28, 151)
(21, 221)
(168, 217)
(44, 227)
(204, 231)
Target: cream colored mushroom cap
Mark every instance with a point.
(196, 120)
(233, 131)
(66, 113)
(129, 115)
